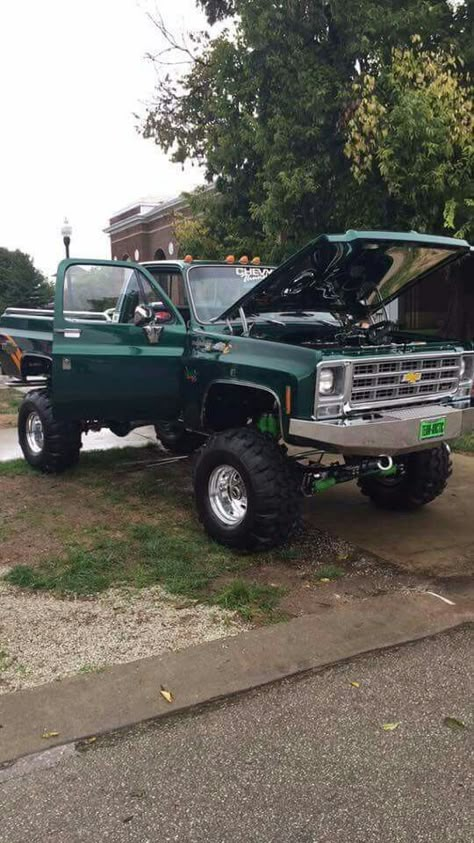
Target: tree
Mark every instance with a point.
(411, 139)
(265, 106)
(21, 284)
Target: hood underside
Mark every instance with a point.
(355, 273)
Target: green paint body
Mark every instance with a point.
(110, 370)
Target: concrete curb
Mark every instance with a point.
(127, 694)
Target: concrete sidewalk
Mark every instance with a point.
(127, 694)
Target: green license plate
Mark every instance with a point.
(430, 428)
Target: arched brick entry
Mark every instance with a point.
(159, 255)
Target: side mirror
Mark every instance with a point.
(142, 315)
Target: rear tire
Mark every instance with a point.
(248, 494)
(51, 446)
(176, 439)
(424, 476)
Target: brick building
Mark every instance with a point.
(144, 230)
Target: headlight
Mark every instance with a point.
(326, 382)
(466, 371)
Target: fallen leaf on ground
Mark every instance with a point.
(47, 735)
(167, 695)
(324, 579)
(454, 723)
(355, 684)
(390, 727)
(90, 740)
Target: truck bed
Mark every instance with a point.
(25, 334)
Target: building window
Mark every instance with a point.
(136, 255)
(159, 255)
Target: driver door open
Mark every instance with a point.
(104, 366)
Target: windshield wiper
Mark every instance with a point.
(245, 325)
(271, 321)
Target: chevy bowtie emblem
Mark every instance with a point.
(411, 377)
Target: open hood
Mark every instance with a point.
(354, 273)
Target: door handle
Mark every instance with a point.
(70, 333)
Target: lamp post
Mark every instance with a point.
(66, 232)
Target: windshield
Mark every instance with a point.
(215, 288)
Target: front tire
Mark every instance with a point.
(247, 491)
(423, 477)
(49, 445)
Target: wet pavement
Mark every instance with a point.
(101, 441)
(306, 761)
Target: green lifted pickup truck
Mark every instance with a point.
(238, 362)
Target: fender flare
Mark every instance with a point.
(30, 356)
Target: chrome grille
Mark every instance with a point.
(378, 382)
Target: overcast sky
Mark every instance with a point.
(72, 73)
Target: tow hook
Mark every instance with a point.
(387, 467)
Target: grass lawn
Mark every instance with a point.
(10, 400)
(112, 521)
(465, 444)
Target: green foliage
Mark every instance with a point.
(216, 228)
(412, 132)
(21, 284)
(264, 107)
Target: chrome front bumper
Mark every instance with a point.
(390, 432)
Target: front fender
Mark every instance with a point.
(287, 372)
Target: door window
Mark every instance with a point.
(173, 285)
(105, 293)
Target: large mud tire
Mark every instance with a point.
(49, 445)
(423, 478)
(256, 464)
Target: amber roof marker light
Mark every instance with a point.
(244, 259)
(255, 261)
(230, 259)
(188, 259)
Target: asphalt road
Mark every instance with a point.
(306, 761)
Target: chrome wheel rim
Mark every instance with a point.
(34, 433)
(228, 495)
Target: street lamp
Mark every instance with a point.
(66, 232)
